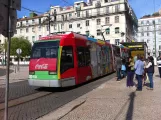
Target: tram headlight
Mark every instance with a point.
(31, 73)
(52, 72)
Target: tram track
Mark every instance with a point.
(45, 100)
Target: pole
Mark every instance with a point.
(18, 63)
(155, 38)
(8, 61)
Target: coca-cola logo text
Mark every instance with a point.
(43, 66)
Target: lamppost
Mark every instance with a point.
(155, 37)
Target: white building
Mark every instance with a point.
(115, 18)
(149, 31)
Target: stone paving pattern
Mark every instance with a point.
(114, 101)
(14, 75)
(36, 108)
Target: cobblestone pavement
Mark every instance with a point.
(14, 75)
(114, 101)
(36, 108)
(17, 89)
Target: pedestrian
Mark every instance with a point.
(159, 65)
(130, 72)
(139, 69)
(144, 74)
(150, 71)
(118, 67)
(123, 68)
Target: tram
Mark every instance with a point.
(69, 59)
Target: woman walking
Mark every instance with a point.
(150, 71)
(130, 72)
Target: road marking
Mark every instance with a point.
(21, 100)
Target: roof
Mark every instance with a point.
(30, 18)
(134, 44)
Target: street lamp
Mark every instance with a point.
(109, 25)
(155, 37)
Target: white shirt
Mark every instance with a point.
(149, 64)
(159, 63)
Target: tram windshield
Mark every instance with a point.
(45, 49)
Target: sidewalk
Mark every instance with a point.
(14, 75)
(113, 101)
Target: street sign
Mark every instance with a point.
(18, 51)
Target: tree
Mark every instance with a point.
(22, 43)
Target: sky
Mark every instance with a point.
(140, 7)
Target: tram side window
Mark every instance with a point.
(66, 59)
(83, 56)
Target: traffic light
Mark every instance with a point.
(16, 5)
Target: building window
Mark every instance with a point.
(39, 36)
(142, 22)
(147, 28)
(142, 40)
(107, 31)
(70, 14)
(117, 30)
(142, 34)
(27, 22)
(33, 30)
(147, 34)
(62, 26)
(159, 20)
(33, 21)
(148, 40)
(70, 25)
(39, 20)
(78, 25)
(87, 13)
(107, 9)
(98, 32)
(27, 30)
(39, 28)
(98, 11)
(20, 30)
(33, 38)
(108, 41)
(78, 14)
(98, 21)
(54, 27)
(147, 22)
(117, 41)
(107, 20)
(116, 19)
(159, 47)
(20, 24)
(87, 33)
(26, 38)
(87, 22)
(117, 8)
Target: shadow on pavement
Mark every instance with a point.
(3, 71)
(48, 89)
(130, 110)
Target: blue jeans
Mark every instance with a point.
(139, 78)
(150, 76)
(118, 73)
(123, 72)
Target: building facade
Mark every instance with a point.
(114, 18)
(149, 31)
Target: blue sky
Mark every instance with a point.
(141, 7)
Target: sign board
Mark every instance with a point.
(18, 51)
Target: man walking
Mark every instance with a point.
(139, 69)
(118, 67)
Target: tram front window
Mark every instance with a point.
(48, 49)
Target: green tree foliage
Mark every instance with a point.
(22, 43)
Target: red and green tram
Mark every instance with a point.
(69, 59)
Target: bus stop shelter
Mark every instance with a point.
(136, 48)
